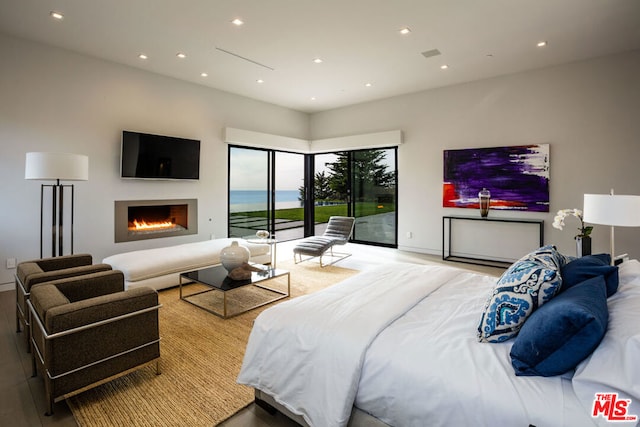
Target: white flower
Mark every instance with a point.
(558, 220)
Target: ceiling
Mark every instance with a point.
(359, 41)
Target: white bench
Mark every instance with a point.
(160, 268)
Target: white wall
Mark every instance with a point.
(55, 100)
(589, 113)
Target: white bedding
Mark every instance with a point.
(460, 382)
(314, 345)
(399, 342)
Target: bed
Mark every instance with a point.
(398, 345)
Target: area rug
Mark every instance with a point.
(201, 356)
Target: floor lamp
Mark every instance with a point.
(614, 210)
(57, 167)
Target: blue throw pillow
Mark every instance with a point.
(590, 266)
(526, 285)
(563, 332)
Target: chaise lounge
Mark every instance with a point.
(338, 232)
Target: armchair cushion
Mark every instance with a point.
(48, 297)
(78, 288)
(75, 314)
(46, 276)
(63, 262)
(44, 265)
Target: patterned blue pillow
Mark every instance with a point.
(530, 282)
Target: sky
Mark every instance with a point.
(253, 173)
(289, 169)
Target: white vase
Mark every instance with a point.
(234, 256)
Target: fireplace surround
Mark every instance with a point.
(153, 219)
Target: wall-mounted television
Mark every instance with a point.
(148, 156)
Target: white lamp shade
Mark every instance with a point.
(63, 166)
(615, 210)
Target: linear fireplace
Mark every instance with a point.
(152, 219)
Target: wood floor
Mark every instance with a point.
(22, 400)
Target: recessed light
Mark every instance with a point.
(143, 56)
(56, 15)
(444, 66)
(204, 75)
(237, 22)
(313, 98)
(542, 43)
(404, 31)
(260, 81)
(368, 84)
(181, 55)
(318, 61)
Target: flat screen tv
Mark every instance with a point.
(149, 156)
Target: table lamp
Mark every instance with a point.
(613, 210)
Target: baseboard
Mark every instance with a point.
(7, 287)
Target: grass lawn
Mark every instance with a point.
(322, 213)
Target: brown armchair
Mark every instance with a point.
(87, 330)
(30, 273)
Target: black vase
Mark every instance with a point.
(583, 246)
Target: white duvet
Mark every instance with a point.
(399, 342)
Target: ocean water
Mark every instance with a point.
(256, 200)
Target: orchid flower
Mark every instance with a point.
(558, 221)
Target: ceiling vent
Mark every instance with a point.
(430, 53)
(243, 58)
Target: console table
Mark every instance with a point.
(448, 221)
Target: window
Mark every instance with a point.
(271, 190)
(264, 193)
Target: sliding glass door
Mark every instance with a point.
(249, 195)
(264, 193)
(292, 195)
(373, 189)
(288, 213)
(330, 189)
(361, 184)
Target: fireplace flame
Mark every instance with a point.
(144, 225)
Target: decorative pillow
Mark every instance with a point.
(564, 332)
(614, 367)
(526, 285)
(587, 267)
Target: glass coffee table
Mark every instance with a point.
(212, 290)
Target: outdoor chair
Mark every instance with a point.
(338, 232)
(30, 273)
(87, 330)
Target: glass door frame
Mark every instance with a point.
(351, 200)
(270, 178)
(309, 186)
(353, 196)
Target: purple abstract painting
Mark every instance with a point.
(516, 176)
